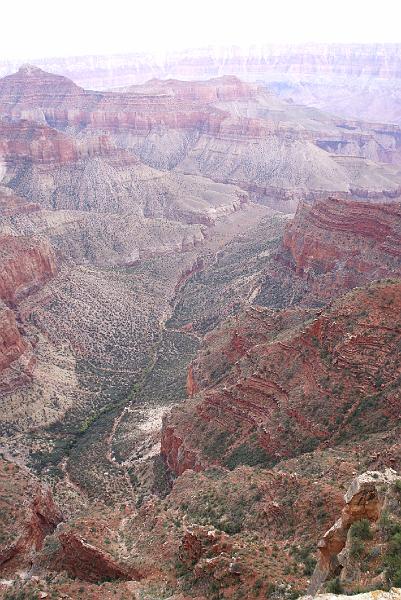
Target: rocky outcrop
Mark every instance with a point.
(177, 457)
(371, 497)
(12, 345)
(25, 265)
(335, 244)
(28, 515)
(303, 387)
(364, 500)
(88, 562)
(201, 542)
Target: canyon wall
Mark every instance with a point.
(26, 264)
(337, 244)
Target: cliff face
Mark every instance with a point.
(16, 358)
(365, 533)
(336, 244)
(26, 264)
(88, 562)
(12, 345)
(307, 387)
(28, 515)
(24, 141)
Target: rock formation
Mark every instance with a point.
(26, 264)
(370, 517)
(337, 244)
(28, 515)
(292, 391)
(224, 129)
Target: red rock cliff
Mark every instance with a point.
(28, 514)
(12, 345)
(337, 244)
(303, 388)
(25, 264)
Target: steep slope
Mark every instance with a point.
(307, 387)
(337, 244)
(28, 515)
(362, 547)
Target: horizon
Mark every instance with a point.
(211, 48)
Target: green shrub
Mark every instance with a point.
(388, 525)
(309, 565)
(21, 595)
(392, 560)
(248, 455)
(217, 445)
(361, 530)
(357, 548)
(334, 586)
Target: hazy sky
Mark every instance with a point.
(40, 28)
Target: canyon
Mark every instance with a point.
(349, 80)
(200, 300)
(225, 130)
